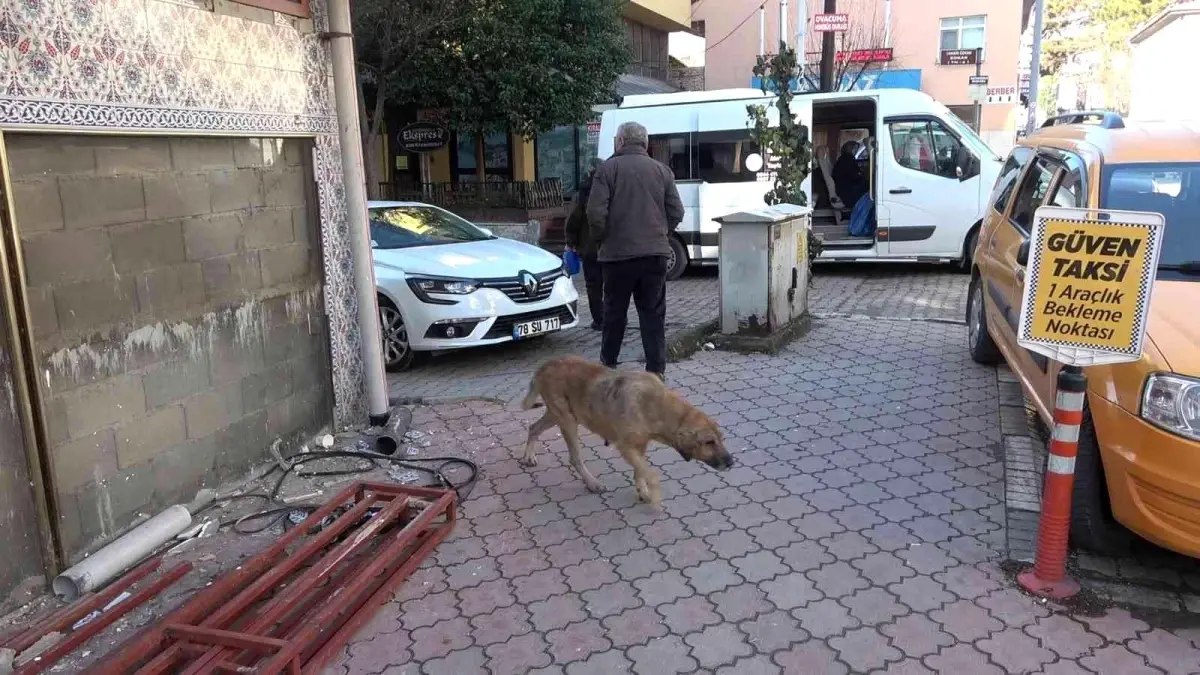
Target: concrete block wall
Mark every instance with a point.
(176, 299)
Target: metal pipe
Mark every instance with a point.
(783, 31)
(801, 24)
(354, 182)
(762, 30)
(120, 555)
(887, 24)
(1035, 66)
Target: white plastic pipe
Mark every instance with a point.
(98, 568)
(783, 24)
(762, 30)
(345, 97)
(887, 24)
(801, 20)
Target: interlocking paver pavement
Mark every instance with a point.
(830, 549)
(501, 372)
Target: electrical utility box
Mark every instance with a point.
(763, 269)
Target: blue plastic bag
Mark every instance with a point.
(574, 263)
(862, 218)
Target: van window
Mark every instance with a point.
(674, 150)
(1032, 193)
(1170, 189)
(1007, 181)
(925, 146)
(721, 156)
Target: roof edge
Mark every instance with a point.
(1163, 19)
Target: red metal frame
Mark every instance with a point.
(284, 612)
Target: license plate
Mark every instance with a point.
(536, 327)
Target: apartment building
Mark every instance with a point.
(919, 44)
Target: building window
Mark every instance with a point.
(497, 157)
(698, 28)
(966, 113)
(964, 32)
(648, 47)
(556, 156)
(290, 7)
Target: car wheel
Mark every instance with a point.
(968, 255)
(1092, 524)
(397, 352)
(983, 347)
(677, 261)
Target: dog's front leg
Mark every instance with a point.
(645, 478)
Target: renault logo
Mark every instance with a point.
(529, 283)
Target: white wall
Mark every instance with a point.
(1162, 66)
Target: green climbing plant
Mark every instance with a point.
(786, 146)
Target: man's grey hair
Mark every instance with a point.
(632, 133)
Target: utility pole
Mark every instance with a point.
(783, 31)
(978, 105)
(762, 30)
(828, 51)
(1035, 66)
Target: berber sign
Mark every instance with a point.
(1087, 293)
(423, 137)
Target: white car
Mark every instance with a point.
(445, 283)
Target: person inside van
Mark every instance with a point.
(918, 152)
(848, 175)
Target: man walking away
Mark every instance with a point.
(634, 206)
(579, 238)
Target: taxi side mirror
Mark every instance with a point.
(1023, 254)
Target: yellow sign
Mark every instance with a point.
(801, 245)
(1087, 293)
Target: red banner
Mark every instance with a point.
(866, 55)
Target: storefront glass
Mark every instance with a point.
(567, 153)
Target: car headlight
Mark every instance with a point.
(423, 286)
(1173, 403)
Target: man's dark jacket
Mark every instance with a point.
(634, 206)
(578, 231)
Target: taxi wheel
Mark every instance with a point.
(983, 347)
(1092, 524)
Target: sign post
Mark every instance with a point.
(1086, 301)
(977, 86)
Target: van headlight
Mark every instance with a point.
(1173, 403)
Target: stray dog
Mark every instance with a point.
(628, 409)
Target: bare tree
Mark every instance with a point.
(860, 49)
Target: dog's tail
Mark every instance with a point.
(530, 402)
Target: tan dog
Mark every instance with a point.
(627, 409)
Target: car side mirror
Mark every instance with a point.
(374, 244)
(486, 231)
(1023, 254)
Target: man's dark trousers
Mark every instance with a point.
(593, 280)
(645, 280)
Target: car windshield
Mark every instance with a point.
(408, 226)
(969, 136)
(1170, 189)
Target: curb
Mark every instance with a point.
(690, 340)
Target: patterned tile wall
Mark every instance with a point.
(195, 67)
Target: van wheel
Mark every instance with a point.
(677, 262)
(1092, 524)
(983, 347)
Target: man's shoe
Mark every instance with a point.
(660, 376)
(596, 326)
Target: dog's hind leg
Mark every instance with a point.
(570, 433)
(535, 430)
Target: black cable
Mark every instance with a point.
(277, 514)
(735, 29)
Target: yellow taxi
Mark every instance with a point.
(1139, 446)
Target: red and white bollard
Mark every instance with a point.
(1048, 578)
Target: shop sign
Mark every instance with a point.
(1005, 94)
(958, 57)
(423, 137)
(831, 23)
(866, 55)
